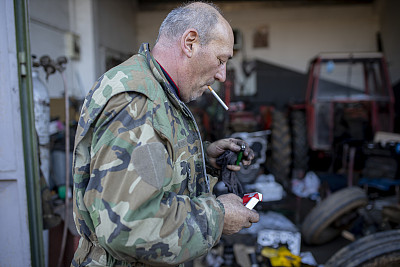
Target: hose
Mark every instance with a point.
(67, 171)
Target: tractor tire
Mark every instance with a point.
(323, 223)
(299, 136)
(281, 148)
(380, 249)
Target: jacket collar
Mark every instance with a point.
(156, 69)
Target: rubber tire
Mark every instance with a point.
(299, 138)
(281, 148)
(317, 226)
(378, 249)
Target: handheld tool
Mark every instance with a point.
(240, 155)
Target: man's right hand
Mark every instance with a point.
(217, 148)
(237, 216)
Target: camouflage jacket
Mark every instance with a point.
(141, 193)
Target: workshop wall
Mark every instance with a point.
(295, 34)
(107, 32)
(116, 28)
(49, 22)
(89, 33)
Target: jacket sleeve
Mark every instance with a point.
(134, 195)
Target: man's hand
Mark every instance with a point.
(237, 216)
(214, 150)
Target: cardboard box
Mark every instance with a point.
(57, 109)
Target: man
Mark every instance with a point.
(141, 193)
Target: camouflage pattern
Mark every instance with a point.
(141, 193)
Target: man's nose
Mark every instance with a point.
(221, 73)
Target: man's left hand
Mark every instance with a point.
(214, 150)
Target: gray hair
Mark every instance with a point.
(191, 15)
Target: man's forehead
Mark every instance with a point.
(224, 39)
(224, 48)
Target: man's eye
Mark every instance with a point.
(220, 62)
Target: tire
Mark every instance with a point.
(321, 224)
(299, 138)
(380, 249)
(281, 148)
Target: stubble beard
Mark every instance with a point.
(196, 94)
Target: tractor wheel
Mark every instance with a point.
(281, 148)
(333, 215)
(299, 136)
(380, 249)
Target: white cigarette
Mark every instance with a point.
(219, 99)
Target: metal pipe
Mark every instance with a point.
(67, 171)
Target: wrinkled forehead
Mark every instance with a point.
(223, 38)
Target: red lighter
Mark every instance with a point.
(251, 199)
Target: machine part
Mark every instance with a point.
(276, 238)
(213, 259)
(379, 249)
(391, 213)
(41, 109)
(266, 185)
(41, 102)
(281, 257)
(332, 215)
(248, 175)
(281, 149)
(378, 166)
(257, 141)
(253, 259)
(229, 256)
(300, 145)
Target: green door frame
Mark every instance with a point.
(30, 146)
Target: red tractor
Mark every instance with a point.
(348, 99)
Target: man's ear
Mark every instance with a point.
(189, 42)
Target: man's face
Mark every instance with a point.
(208, 64)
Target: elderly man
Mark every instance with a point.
(142, 196)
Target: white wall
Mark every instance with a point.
(104, 27)
(148, 24)
(84, 69)
(49, 21)
(296, 34)
(116, 22)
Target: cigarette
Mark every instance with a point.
(219, 99)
